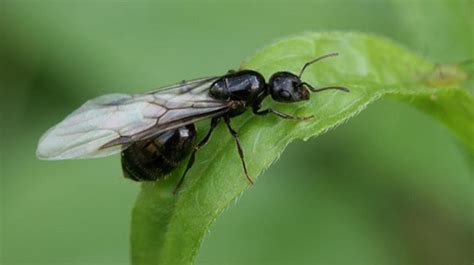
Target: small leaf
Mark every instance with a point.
(168, 229)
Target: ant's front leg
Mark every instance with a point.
(282, 115)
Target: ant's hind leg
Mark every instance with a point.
(202, 143)
(239, 147)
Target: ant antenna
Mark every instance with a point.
(345, 89)
(315, 60)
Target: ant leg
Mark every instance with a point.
(231, 71)
(239, 147)
(202, 143)
(280, 114)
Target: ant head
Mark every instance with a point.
(288, 87)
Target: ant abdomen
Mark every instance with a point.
(152, 159)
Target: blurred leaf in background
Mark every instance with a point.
(390, 187)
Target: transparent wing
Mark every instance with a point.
(105, 125)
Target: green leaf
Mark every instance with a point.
(169, 229)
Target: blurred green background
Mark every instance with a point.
(391, 186)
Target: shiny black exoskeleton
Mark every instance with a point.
(244, 89)
(152, 159)
(248, 89)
